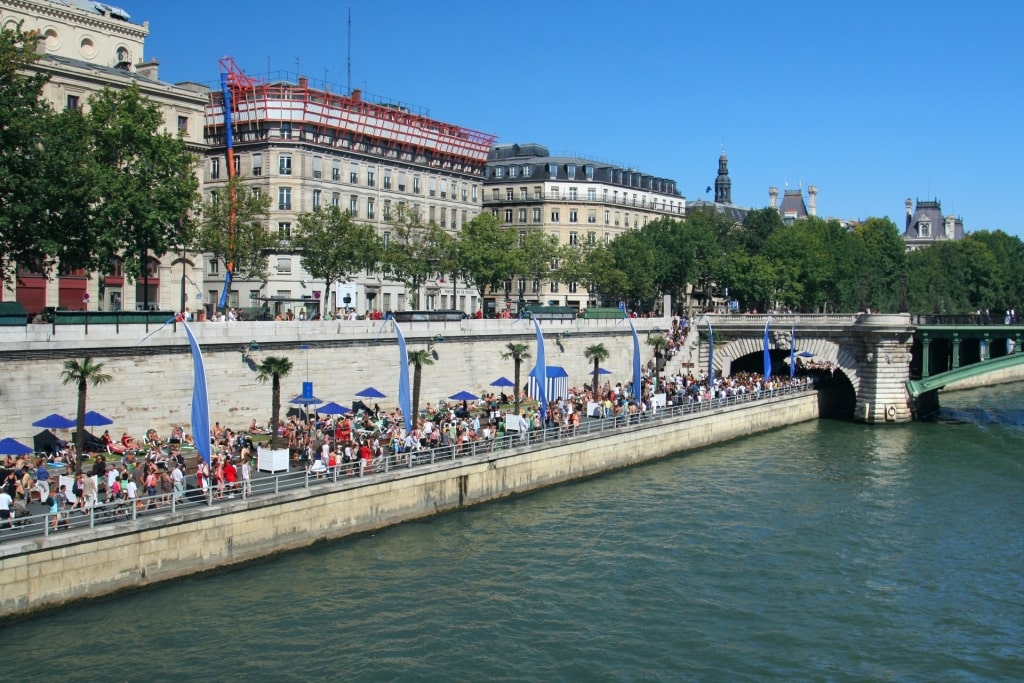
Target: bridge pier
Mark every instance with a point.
(883, 352)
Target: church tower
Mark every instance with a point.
(723, 186)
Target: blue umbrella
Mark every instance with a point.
(9, 446)
(306, 401)
(94, 419)
(333, 408)
(602, 371)
(464, 396)
(54, 421)
(370, 392)
(503, 382)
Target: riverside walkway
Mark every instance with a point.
(350, 475)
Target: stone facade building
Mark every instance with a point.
(573, 198)
(86, 46)
(926, 225)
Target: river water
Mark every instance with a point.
(826, 551)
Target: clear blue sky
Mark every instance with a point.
(872, 102)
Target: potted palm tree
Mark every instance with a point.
(83, 373)
(272, 369)
(518, 353)
(597, 354)
(660, 344)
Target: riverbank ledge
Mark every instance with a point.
(46, 572)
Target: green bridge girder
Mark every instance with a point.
(916, 387)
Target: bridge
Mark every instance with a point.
(884, 368)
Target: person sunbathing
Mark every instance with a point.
(128, 441)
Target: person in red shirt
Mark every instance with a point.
(230, 476)
(365, 456)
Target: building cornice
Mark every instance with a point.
(79, 18)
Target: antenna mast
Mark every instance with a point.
(349, 60)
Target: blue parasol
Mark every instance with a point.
(9, 446)
(54, 421)
(94, 419)
(370, 392)
(464, 396)
(333, 408)
(503, 382)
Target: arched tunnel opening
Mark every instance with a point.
(837, 399)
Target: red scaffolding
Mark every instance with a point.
(344, 121)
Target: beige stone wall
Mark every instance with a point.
(46, 572)
(152, 385)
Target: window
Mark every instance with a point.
(335, 170)
(387, 210)
(495, 194)
(924, 229)
(570, 170)
(574, 216)
(499, 172)
(554, 216)
(286, 131)
(573, 194)
(416, 184)
(257, 164)
(522, 285)
(353, 206)
(371, 177)
(284, 164)
(607, 238)
(318, 163)
(607, 217)
(73, 102)
(626, 222)
(474, 193)
(464, 194)
(401, 181)
(509, 194)
(522, 240)
(284, 198)
(554, 193)
(284, 231)
(316, 199)
(536, 215)
(214, 168)
(182, 120)
(591, 194)
(335, 199)
(464, 215)
(538, 193)
(522, 215)
(553, 171)
(523, 194)
(353, 174)
(574, 239)
(616, 218)
(554, 287)
(444, 217)
(257, 192)
(555, 263)
(591, 237)
(444, 188)
(536, 286)
(572, 287)
(589, 170)
(508, 215)
(432, 214)
(527, 171)
(284, 265)
(238, 165)
(369, 208)
(592, 216)
(212, 267)
(387, 238)
(387, 180)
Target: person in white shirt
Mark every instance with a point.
(6, 513)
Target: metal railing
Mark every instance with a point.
(401, 464)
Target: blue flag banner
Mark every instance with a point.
(637, 392)
(767, 351)
(711, 355)
(540, 374)
(404, 390)
(200, 398)
(792, 351)
(224, 292)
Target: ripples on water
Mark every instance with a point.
(825, 551)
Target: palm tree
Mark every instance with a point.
(83, 373)
(273, 368)
(597, 354)
(660, 344)
(518, 353)
(417, 359)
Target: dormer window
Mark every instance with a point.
(924, 229)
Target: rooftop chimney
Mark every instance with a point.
(812, 199)
(148, 69)
(910, 210)
(773, 197)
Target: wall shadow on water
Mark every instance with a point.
(836, 396)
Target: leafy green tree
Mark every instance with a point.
(25, 118)
(272, 369)
(634, 260)
(518, 353)
(417, 359)
(597, 354)
(486, 252)
(758, 226)
(146, 181)
(410, 257)
(334, 247)
(82, 373)
(247, 250)
(1008, 267)
(534, 253)
(883, 259)
(674, 255)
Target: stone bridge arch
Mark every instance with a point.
(839, 357)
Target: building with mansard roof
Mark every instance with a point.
(926, 225)
(575, 199)
(723, 196)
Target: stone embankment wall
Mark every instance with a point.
(49, 571)
(152, 378)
